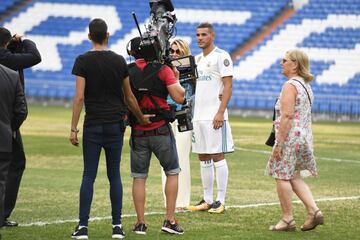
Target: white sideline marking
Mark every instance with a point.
(322, 158)
(297, 201)
(161, 213)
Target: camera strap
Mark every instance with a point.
(167, 115)
(147, 83)
(147, 80)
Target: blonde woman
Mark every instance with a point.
(180, 48)
(292, 155)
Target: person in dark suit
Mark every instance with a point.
(16, 54)
(13, 112)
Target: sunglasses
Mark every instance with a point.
(284, 60)
(172, 51)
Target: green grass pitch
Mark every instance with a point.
(49, 191)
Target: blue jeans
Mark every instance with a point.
(110, 137)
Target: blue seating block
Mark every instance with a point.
(260, 92)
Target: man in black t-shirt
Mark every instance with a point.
(102, 83)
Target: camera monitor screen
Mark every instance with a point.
(182, 62)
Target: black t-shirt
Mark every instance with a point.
(104, 72)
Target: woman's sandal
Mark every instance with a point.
(289, 227)
(316, 219)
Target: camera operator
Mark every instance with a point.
(180, 48)
(16, 54)
(156, 137)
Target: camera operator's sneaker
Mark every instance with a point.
(217, 207)
(118, 232)
(172, 228)
(140, 228)
(201, 206)
(80, 233)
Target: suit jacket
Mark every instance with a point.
(13, 108)
(29, 57)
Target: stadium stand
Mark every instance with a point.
(5, 4)
(327, 29)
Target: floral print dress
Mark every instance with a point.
(297, 153)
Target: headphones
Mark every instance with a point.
(128, 48)
(130, 51)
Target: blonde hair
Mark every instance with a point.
(183, 47)
(303, 69)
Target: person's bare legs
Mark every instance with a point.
(204, 157)
(138, 192)
(217, 157)
(302, 190)
(171, 189)
(284, 191)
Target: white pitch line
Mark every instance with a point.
(321, 158)
(297, 201)
(90, 220)
(161, 213)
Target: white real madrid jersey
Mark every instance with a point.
(209, 85)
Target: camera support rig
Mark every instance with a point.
(155, 44)
(154, 47)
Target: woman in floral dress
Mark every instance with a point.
(292, 155)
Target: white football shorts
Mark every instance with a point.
(207, 140)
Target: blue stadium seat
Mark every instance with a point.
(241, 103)
(329, 97)
(61, 26)
(5, 4)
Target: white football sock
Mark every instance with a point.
(222, 173)
(207, 178)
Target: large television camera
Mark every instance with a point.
(188, 74)
(155, 44)
(154, 47)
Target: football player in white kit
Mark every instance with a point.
(212, 134)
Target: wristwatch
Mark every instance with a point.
(75, 130)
